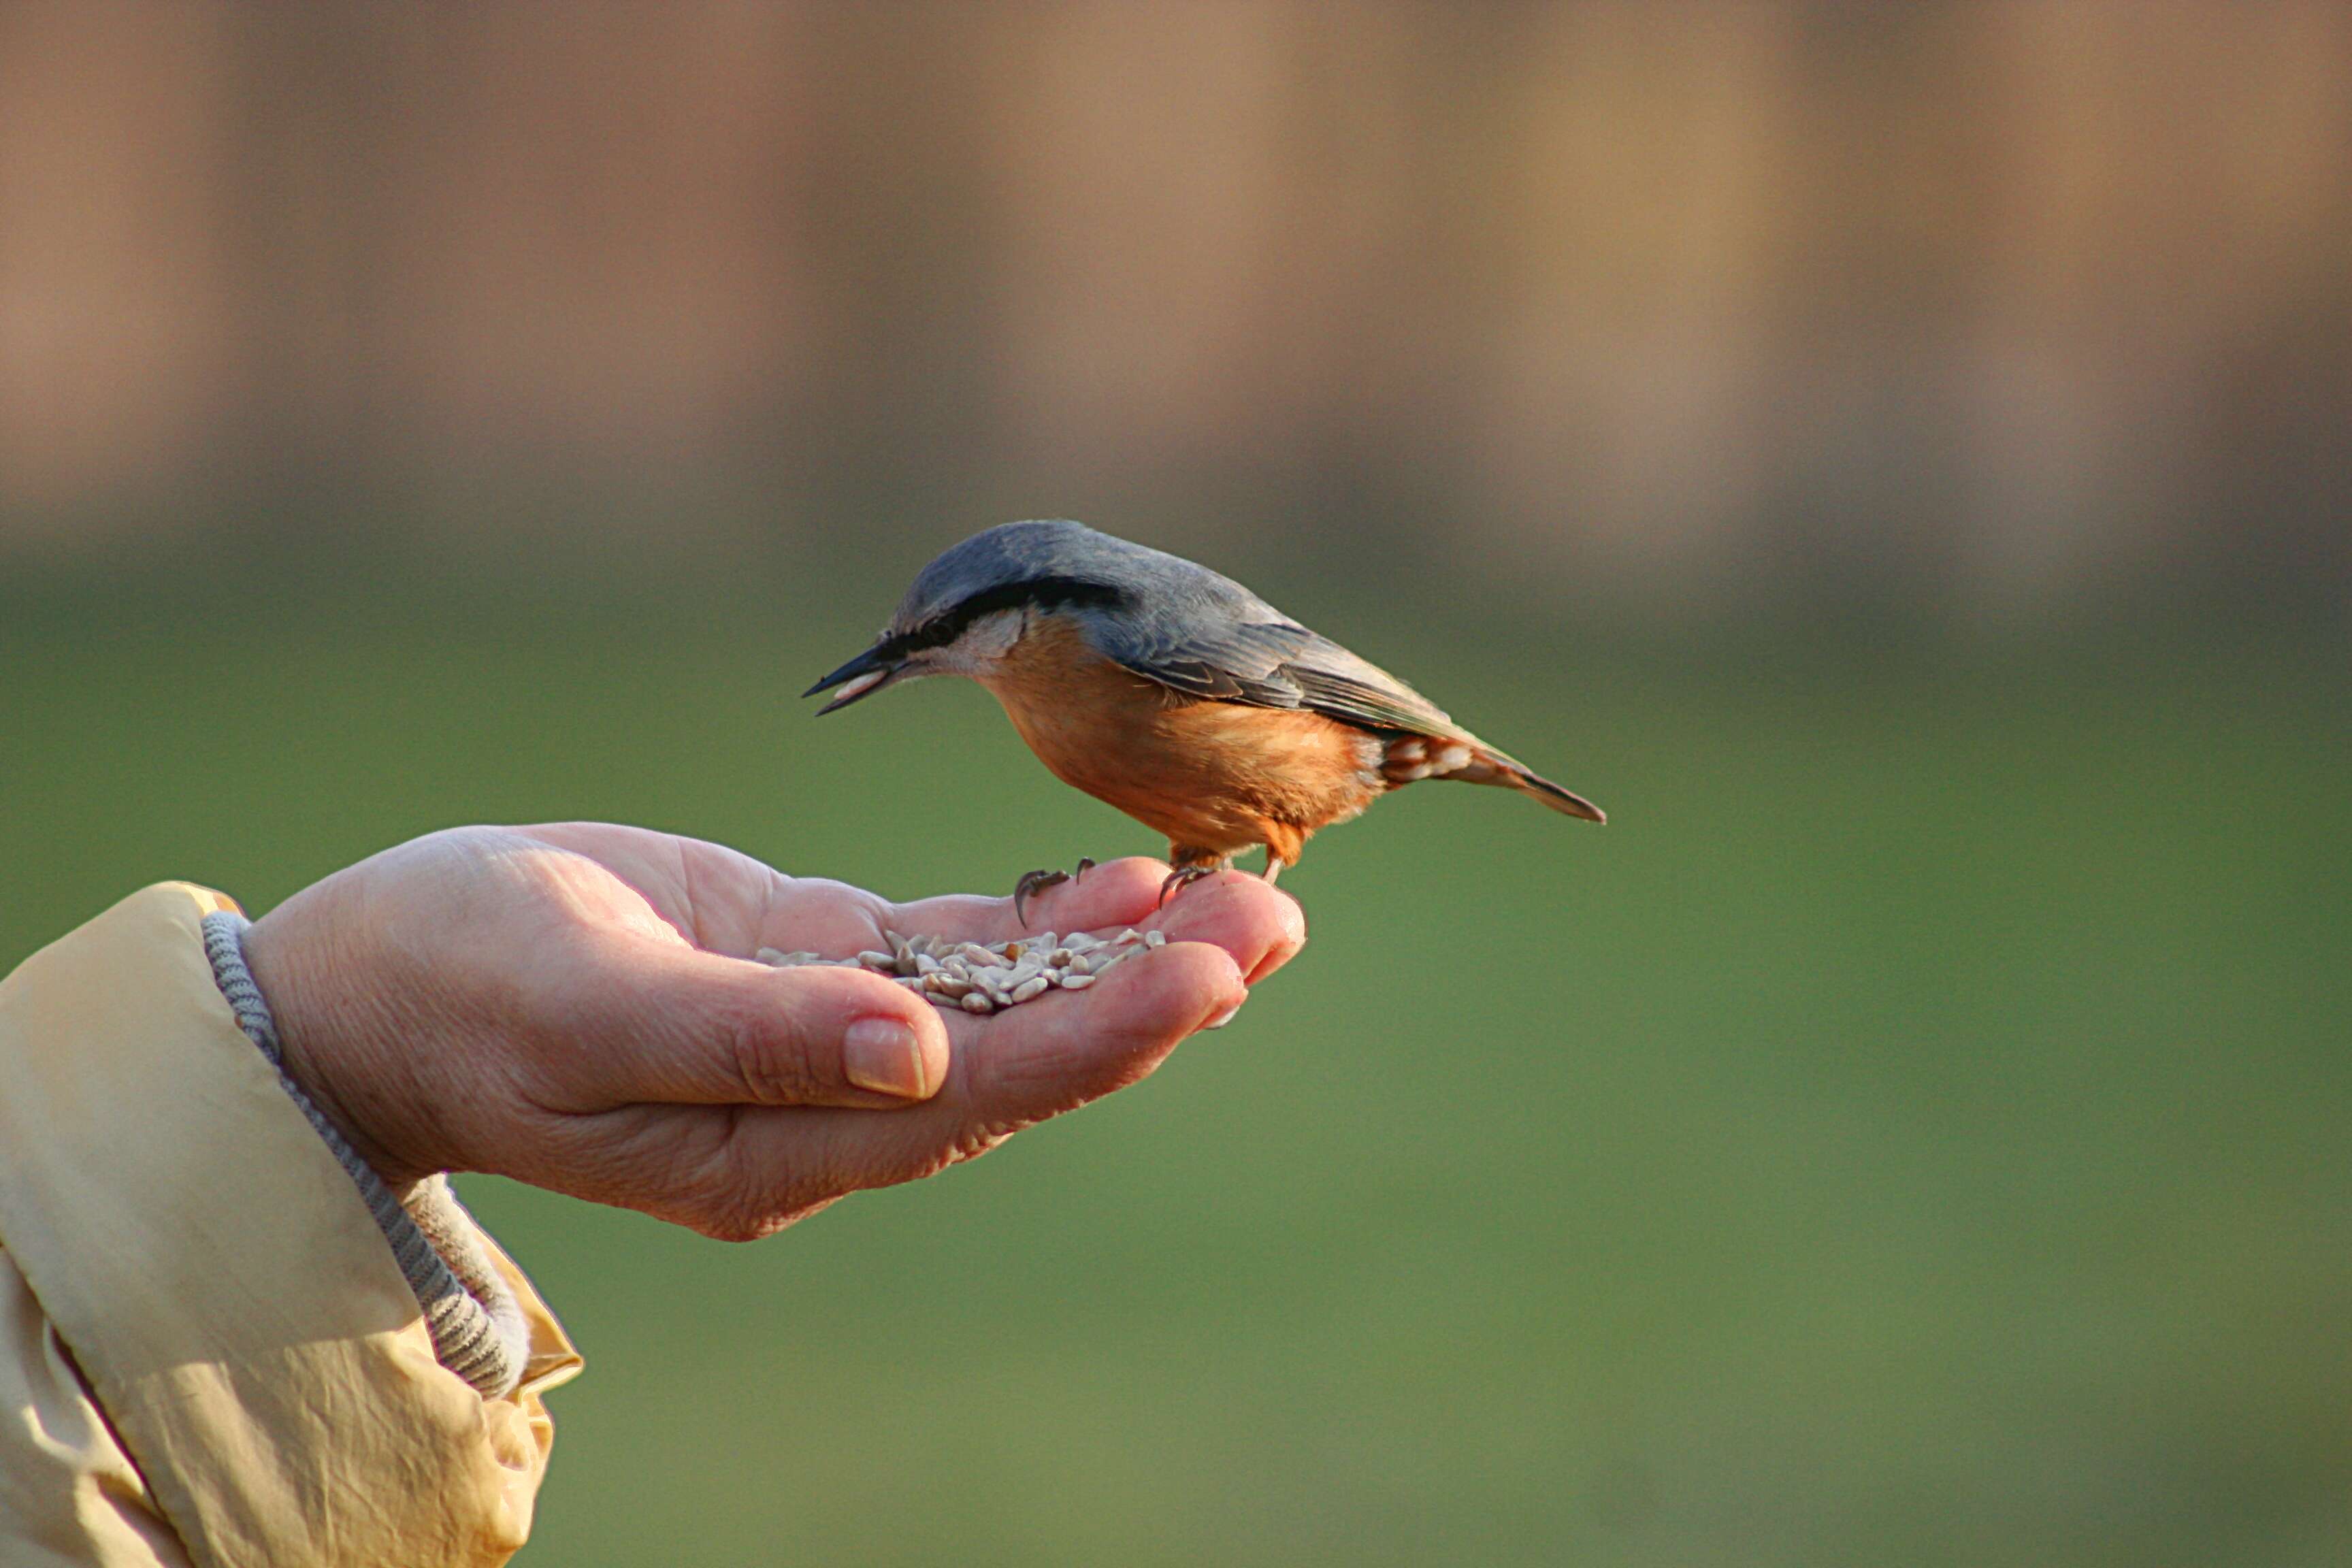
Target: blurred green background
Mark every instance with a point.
(1893, 458)
(1913, 1131)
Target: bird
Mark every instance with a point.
(1174, 693)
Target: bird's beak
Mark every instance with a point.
(862, 676)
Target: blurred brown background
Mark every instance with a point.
(1992, 306)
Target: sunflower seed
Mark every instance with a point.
(979, 977)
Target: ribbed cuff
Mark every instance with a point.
(475, 1323)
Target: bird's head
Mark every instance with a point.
(974, 603)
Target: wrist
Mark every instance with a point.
(319, 1046)
(470, 1313)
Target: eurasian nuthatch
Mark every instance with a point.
(1174, 693)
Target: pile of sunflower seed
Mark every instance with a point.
(980, 977)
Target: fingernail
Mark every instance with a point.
(1222, 1019)
(883, 1055)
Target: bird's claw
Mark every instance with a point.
(1181, 877)
(1034, 882)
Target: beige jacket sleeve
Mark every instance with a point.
(207, 1353)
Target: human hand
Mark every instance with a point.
(576, 1006)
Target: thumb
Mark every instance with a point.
(674, 1024)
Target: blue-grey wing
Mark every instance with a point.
(1269, 663)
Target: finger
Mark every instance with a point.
(1071, 1048)
(703, 890)
(643, 1021)
(764, 1166)
(1261, 926)
(721, 900)
(1118, 893)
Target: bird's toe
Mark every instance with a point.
(1181, 878)
(1030, 884)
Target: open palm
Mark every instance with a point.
(576, 1006)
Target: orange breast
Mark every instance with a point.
(1218, 776)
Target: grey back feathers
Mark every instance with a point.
(1164, 617)
(1059, 562)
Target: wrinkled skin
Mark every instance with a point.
(575, 1006)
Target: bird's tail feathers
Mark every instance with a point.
(1487, 767)
(1460, 755)
(1565, 801)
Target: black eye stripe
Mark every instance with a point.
(1043, 592)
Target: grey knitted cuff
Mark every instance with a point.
(475, 1323)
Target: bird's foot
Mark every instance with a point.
(1183, 877)
(1032, 883)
